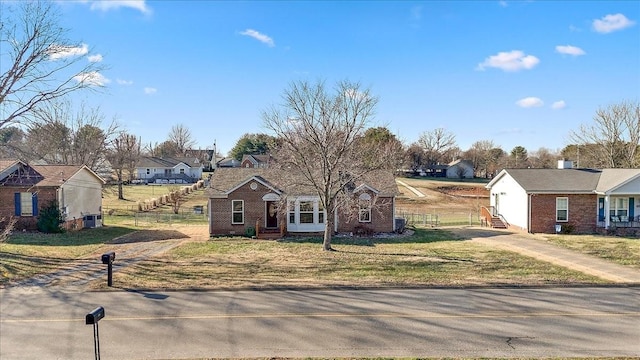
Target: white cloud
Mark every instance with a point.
(92, 78)
(57, 52)
(503, 3)
(259, 36)
(150, 90)
(611, 23)
(530, 102)
(559, 105)
(95, 58)
(569, 50)
(515, 60)
(124, 82)
(106, 5)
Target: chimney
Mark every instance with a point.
(565, 164)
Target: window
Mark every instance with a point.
(619, 207)
(562, 209)
(320, 213)
(26, 204)
(364, 208)
(182, 171)
(306, 212)
(292, 212)
(148, 172)
(237, 211)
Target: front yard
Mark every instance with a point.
(624, 251)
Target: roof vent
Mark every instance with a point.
(565, 164)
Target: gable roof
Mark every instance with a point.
(167, 162)
(225, 180)
(56, 175)
(579, 181)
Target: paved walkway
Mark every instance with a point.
(534, 246)
(411, 188)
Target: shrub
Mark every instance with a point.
(50, 219)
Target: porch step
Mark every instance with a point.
(267, 234)
(497, 223)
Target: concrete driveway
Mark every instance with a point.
(534, 246)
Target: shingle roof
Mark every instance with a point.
(225, 179)
(168, 162)
(570, 180)
(55, 175)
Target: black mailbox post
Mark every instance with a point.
(92, 318)
(107, 259)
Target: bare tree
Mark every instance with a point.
(320, 142)
(480, 156)
(61, 135)
(616, 133)
(182, 139)
(39, 63)
(415, 157)
(124, 153)
(543, 158)
(438, 145)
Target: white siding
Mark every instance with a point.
(513, 201)
(632, 187)
(81, 195)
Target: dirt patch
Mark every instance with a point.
(464, 191)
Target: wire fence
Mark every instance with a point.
(131, 215)
(439, 219)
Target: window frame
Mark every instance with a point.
(234, 212)
(364, 212)
(306, 212)
(565, 208)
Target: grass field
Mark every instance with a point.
(135, 193)
(427, 258)
(624, 251)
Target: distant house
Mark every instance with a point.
(227, 163)
(243, 198)
(436, 170)
(26, 189)
(565, 199)
(460, 169)
(255, 161)
(206, 157)
(169, 170)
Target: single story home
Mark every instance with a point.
(255, 161)
(26, 189)
(565, 200)
(241, 199)
(460, 169)
(169, 170)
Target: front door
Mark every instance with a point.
(272, 214)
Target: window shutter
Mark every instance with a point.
(631, 206)
(16, 201)
(34, 203)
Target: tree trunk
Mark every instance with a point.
(328, 231)
(120, 193)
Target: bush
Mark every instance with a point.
(50, 219)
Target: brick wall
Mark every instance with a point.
(7, 205)
(382, 218)
(254, 210)
(582, 213)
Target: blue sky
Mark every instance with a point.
(514, 72)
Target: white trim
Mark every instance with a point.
(271, 197)
(253, 178)
(233, 212)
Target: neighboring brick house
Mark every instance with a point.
(256, 161)
(26, 189)
(566, 199)
(242, 198)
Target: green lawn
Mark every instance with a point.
(28, 254)
(428, 258)
(624, 251)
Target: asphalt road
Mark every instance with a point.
(47, 323)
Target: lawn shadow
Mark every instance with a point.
(148, 235)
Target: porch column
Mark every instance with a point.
(607, 218)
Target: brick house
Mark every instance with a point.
(255, 161)
(565, 199)
(242, 198)
(26, 189)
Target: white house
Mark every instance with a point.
(169, 170)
